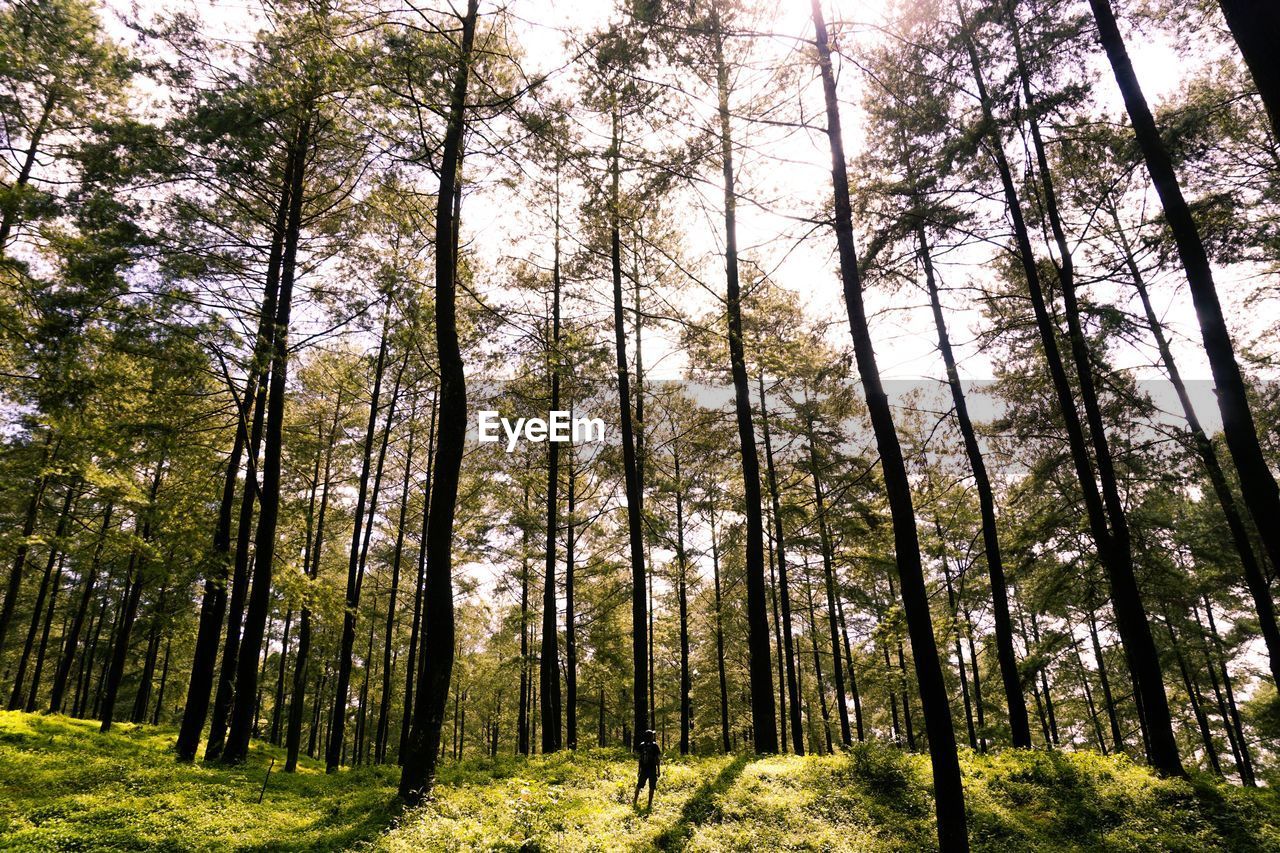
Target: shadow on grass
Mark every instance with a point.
(701, 806)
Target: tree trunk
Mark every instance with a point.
(265, 541)
(853, 675)
(635, 519)
(1255, 25)
(724, 686)
(1255, 578)
(32, 697)
(119, 653)
(1134, 627)
(549, 658)
(764, 721)
(384, 710)
(438, 640)
(817, 662)
(784, 594)
(17, 698)
(361, 535)
(682, 596)
(1106, 520)
(570, 627)
(1113, 718)
(256, 388)
(948, 791)
(1246, 762)
(277, 708)
(1257, 485)
(412, 667)
(828, 572)
(313, 553)
(32, 515)
(1019, 726)
(72, 640)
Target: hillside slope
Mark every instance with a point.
(65, 786)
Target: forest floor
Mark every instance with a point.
(64, 786)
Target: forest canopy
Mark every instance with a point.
(925, 353)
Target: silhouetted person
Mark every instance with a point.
(649, 756)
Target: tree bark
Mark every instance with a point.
(1015, 701)
(18, 698)
(293, 733)
(72, 640)
(1255, 25)
(549, 657)
(265, 541)
(412, 667)
(948, 792)
(1257, 485)
(635, 519)
(384, 709)
(438, 642)
(784, 594)
(764, 721)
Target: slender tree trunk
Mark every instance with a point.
(1135, 631)
(1019, 726)
(948, 791)
(1255, 578)
(635, 519)
(313, 553)
(570, 626)
(119, 652)
(277, 709)
(1193, 698)
(817, 662)
(764, 721)
(438, 640)
(164, 679)
(1257, 484)
(32, 515)
(412, 667)
(526, 692)
(142, 699)
(256, 389)
(333, 751)
(44, 636)
(1113, 718)
(954, 607)
(259, 598)
(549, 658)
(1255, 25)
(853, 675)
(828, 572)
(384, 710)
(682, 596)
(1088, 699)
(1105, 513)
(72, 640)
(1246, 762)
(9, 213)
(85, 676)
(18, 698)
(724, 686)
(784, 594)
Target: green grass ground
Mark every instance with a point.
(64, 786)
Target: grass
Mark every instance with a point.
(64, 786)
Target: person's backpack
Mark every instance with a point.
(649, 753)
